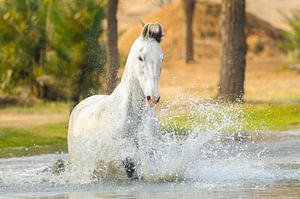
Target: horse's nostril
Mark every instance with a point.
(157, 99)
(148, 98)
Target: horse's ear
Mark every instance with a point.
(145, 30)
(153, 30)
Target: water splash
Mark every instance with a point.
(189, 134)
(202, 143)
(193, 133)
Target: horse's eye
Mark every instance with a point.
(140, 58)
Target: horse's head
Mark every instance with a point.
(149, 59)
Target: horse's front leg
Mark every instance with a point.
(130, 168)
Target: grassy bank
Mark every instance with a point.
(52, 137)
(30, 141)
(30, 130)
(272, 117)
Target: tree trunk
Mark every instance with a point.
(234, 49)
(189, 7)
(112, 38)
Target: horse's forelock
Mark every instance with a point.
(153, 30)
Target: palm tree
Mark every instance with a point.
(20, 40)
(55, 38)
(25, 38)
(84, 20)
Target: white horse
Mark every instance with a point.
(101, 126)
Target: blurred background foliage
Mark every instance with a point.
(292, 42)
(55, 50)
(51, 49)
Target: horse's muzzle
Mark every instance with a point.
(151, 100)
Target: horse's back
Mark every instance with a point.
(86, 105)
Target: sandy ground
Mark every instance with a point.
(269, 10)
(266, 80)
(30, 120)
(273, 10)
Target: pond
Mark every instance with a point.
(268, 168)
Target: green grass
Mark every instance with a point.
(52, 138)
(272, 117)
(29, 141)
(267, 117)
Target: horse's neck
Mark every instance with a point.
(133, 97)
(132, 92)
(130, 97)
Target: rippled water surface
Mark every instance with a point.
(270, 169)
